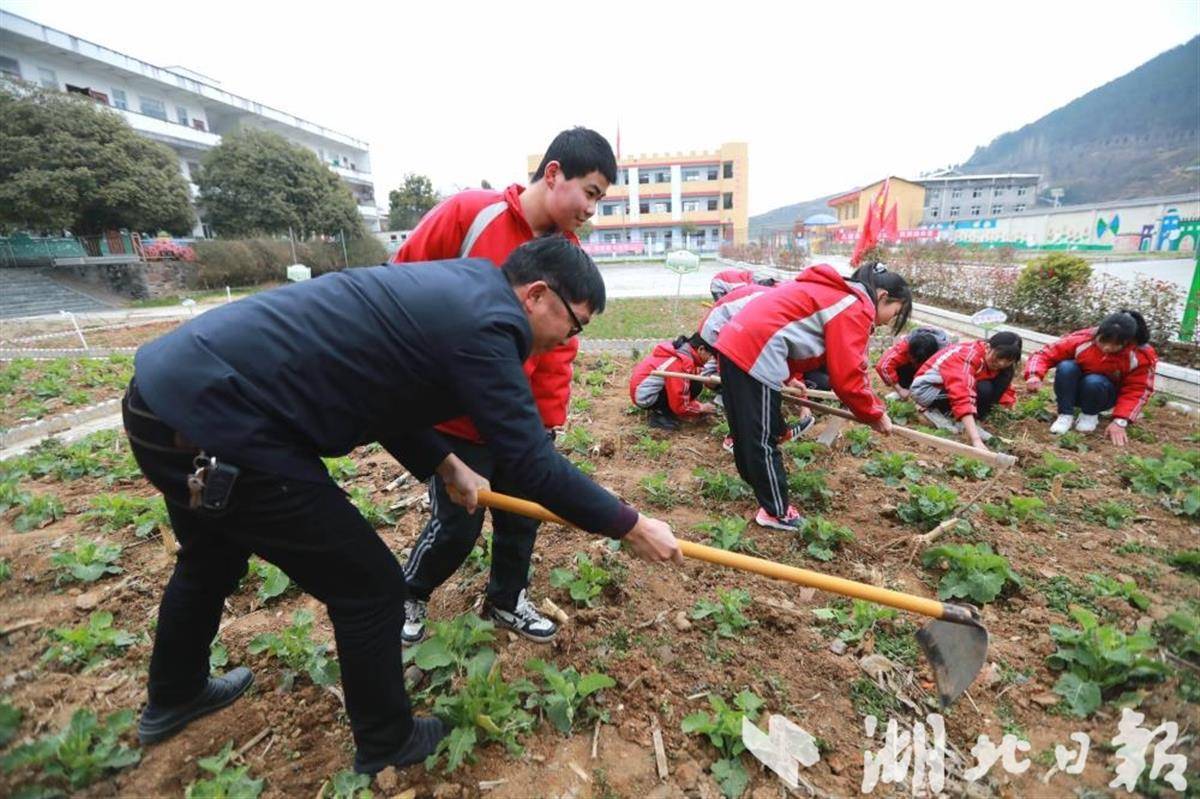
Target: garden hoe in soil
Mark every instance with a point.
(955, 643)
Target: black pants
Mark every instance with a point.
(987, 394)
(756, 422)
(818, 379)
(663, 405)
(316, 536)
(905, 375)
(448, 536)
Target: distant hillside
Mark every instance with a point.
(1135, 136)
(783, 218)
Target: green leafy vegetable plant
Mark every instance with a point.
(294, 647)
(586, 583)
(973, 572)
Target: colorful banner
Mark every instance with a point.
(615, 248)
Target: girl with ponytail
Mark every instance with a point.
(1107, 366)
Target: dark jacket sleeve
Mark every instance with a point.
(493, 389)
(419, 452)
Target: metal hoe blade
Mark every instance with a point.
(956, 651)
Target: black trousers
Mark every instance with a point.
(987, 394)
(451, 532)
(905, 375)
(663, 405)
(756, 422)
(318, 538)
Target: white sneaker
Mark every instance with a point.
(1062, 424)
(942, 421)
(1087, 422)
(892, 396)
(524, 620)
(415, 611)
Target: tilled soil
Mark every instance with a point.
(663, 672)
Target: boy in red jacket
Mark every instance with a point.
(727, 280)
(1107, 366)
(966, 381)
(670, 399)
(819, 319)
(574, 175)
(898, 366)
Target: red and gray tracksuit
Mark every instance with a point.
(896, 368)
(673, 396)
(727, 280)
(819, 319)
(482, 224)
(1087, 377)
(957, 380)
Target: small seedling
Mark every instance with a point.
(37, 512)
(1051, 466)
(448, 648)
(720, 429)
(479, 560)
(808, 486)
(10, 495)
(1186, 560)
(823, 536)
(802, 453)
(723, 728)
(577, 440)
(970, 469)
(1180, 633)
(859, 441)
(721, 487)
(346, 784)
(1035, 407)
(1017, 510)
(75, 756)
(893, 467)
(294, 646)
(726, 612)
(856, 621)
(585, 584)
(114, 512)
(484, 708)
(218, 655)
(580, 405)
(728, 534)
(1110, 513)
(972, 572)
(1103, 585)
(659, 491)
(5, 570)
(1075, 442)
(1167, 475)
(651, 447)
(377, 514)
(901, 411)
(10, 721)
(90, 560)
(927, 506)
(88, 645)
(1098, 659)
(272, 582)
(566, 695)
(341, 469)
(226, 781)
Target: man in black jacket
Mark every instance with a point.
(259, 390)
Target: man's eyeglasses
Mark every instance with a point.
(576, 327)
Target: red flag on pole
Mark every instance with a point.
(873, 225)
(890, 230)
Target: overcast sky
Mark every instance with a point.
(828, 97)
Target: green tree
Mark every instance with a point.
(69, 163)
(257, 182)
(410, 202)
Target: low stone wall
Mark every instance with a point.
(140, 281)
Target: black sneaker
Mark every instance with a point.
(660, 421)
(415, 611)
(158, 724)
(426, 734)
(524, 620)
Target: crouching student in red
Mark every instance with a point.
(727, 280)
(819, 319)
(966, 381)
(1098, 368)
(898, 366)
(670, 399)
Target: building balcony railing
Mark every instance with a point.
(355, 175)
(168, 131)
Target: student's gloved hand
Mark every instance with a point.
(462, 482)
(653, 540)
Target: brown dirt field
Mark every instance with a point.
(784, 656)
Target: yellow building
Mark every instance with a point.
(851, 208)
(663, 202)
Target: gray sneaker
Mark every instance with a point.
(524, 620)
(942, 421)
(415, 611)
